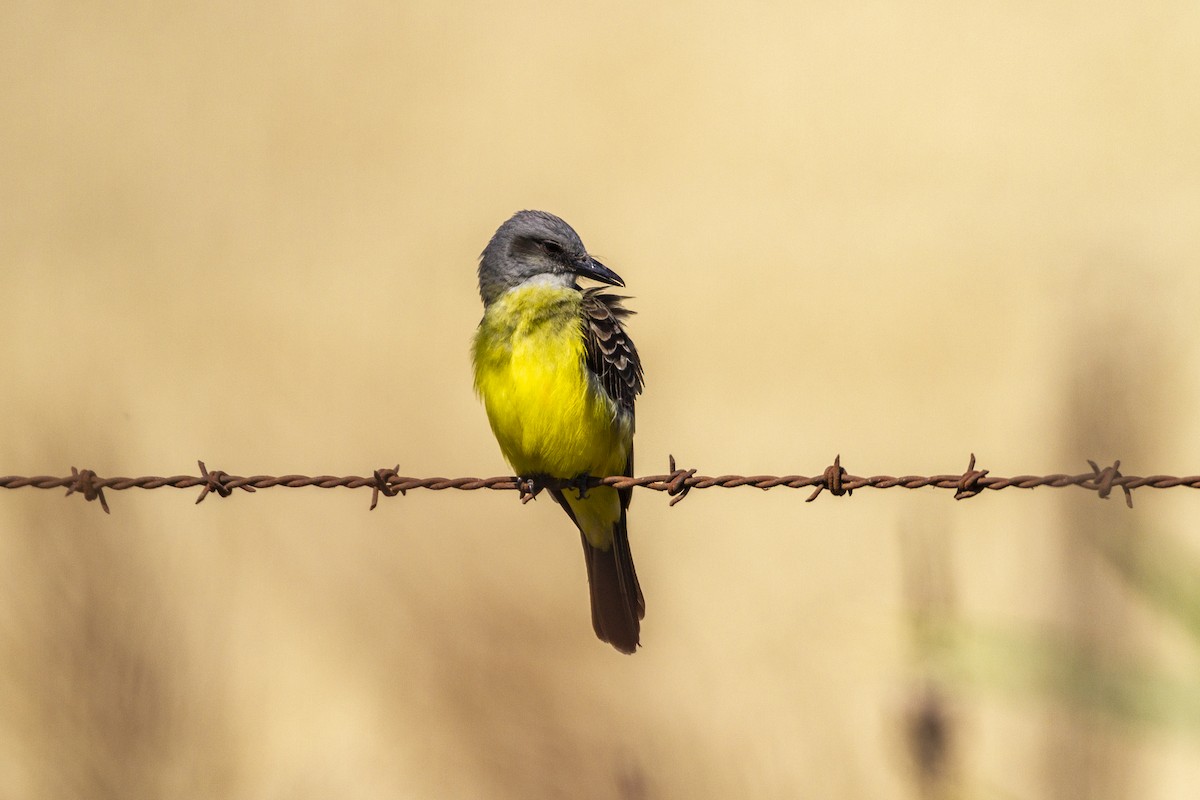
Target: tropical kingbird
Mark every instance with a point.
(558, 376)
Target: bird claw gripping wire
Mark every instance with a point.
(968, 484)
(84, 482)
(831, 479)
(677, 484)
(529, 488)
(581, 484)
(1104, 479)
(382, 485)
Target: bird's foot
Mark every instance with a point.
(581, 485)
(529, 487)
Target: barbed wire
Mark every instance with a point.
(676, 482)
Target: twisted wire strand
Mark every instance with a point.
(675, 482)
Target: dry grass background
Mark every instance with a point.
(899, 232)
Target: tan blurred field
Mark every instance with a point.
(898, 232)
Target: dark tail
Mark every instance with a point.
(617, 603)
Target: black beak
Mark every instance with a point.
(589, 267)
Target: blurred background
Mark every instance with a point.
(898, 232)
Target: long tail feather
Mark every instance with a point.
(617, 602)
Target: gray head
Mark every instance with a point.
(536, 243)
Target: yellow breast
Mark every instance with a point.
(549, 414)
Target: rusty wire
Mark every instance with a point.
(676, 482)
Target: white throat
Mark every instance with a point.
(563, 280)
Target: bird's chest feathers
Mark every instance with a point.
(530, 346)
(549, 414)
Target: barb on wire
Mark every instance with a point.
(382, 484)
(677, 483)
(84, 482)
(678, 486)
(968, 484)
(832, 479)
(1105, 479)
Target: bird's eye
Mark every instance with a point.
(552, 248)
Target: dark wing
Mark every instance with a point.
(611, 355)
(612, 358)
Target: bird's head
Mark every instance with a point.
(533, 243)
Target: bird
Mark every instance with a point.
(558, 375)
